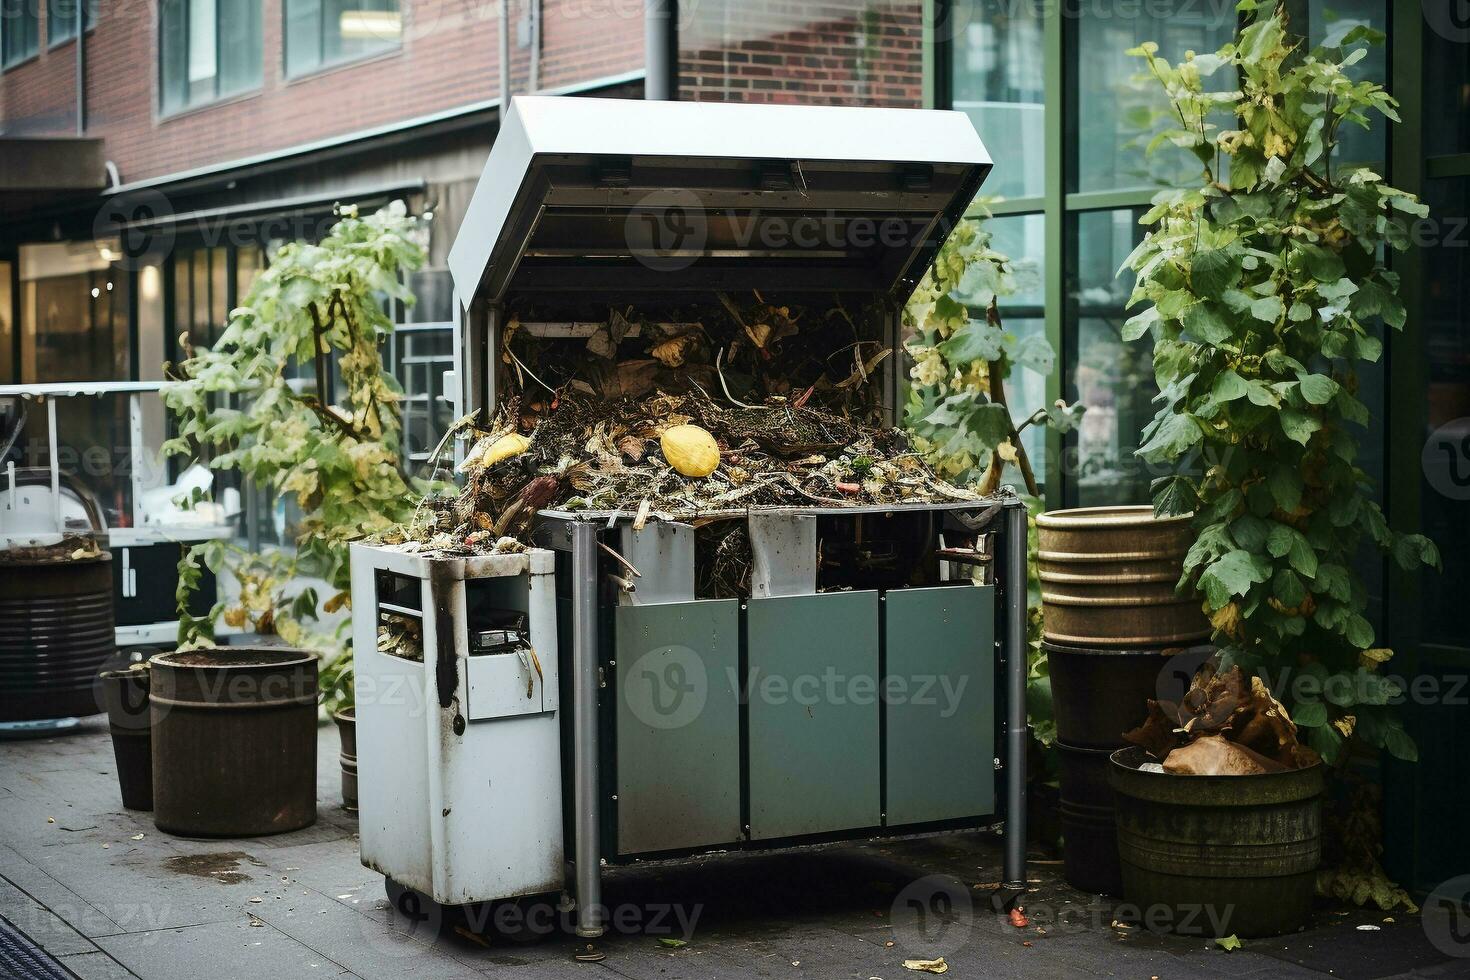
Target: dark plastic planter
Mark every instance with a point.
(1218, 855)
(125, 695)
(1089, 836)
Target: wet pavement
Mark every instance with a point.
(110, 897)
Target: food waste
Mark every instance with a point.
(669, 457)
(1225, 725)
(695, 412)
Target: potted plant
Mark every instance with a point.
(1219, 817)
(1262, 290)
(294, 397)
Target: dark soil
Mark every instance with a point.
(235, 657)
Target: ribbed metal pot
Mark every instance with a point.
(234, 741)
(56, 629)
(346, 720)
(1218, 855)
(1108, 576)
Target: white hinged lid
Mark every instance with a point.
(613, 195)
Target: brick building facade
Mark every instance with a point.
(840, 52)
(214, 180)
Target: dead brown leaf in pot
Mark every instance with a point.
(1214, 755)
(1214, 701)
(1158, 735)
(1265, 727)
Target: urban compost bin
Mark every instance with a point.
(626, 691)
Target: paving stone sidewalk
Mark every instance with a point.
(111, 898)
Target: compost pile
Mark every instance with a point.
(687, 412)
(614, 455)
(1226, 725)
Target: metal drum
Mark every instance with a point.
(234, 741)
(1108, 576)
(1090, 843)
(56, 629)
(1219, 855)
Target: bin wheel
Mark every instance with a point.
(412, 905)
(528, 919)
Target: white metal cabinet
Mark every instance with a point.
(459, 770)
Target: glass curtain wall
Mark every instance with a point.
(1067, 115)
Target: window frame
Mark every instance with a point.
(7, 61)
(89, 23)
(164, 110)
(323, 63)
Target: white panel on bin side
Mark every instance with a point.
(465, 815)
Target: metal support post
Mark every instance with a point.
(586, 800)
(1014, 873)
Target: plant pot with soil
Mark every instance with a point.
(234, 741)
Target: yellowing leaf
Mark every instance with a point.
(1371, 659)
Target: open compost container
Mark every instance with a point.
(811, 640)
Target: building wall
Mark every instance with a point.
(448, 58)
(840, 52)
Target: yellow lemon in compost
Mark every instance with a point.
(487, 452)
(690, 450)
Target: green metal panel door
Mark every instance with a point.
(940, 703)
(812, 690)
(678, 725)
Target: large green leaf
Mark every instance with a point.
(1298, 426)
(1213, 271)
(976, 340)
(1317, 389)
(1205, 321)
(1176, 434)
(1233, 575)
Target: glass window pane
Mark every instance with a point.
(1330, 21)
(303, 35)
(239, 45)
(351, 28)
(173, 55)
(1447, 77)
(8, 373)
(998, 82)
(203, 60)
(20, 30)
(1115, 380)
(1114, 108)
(1446, 517)
(248, 265)
(199, 332)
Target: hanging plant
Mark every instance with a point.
(1263, 285)
(245, 405)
